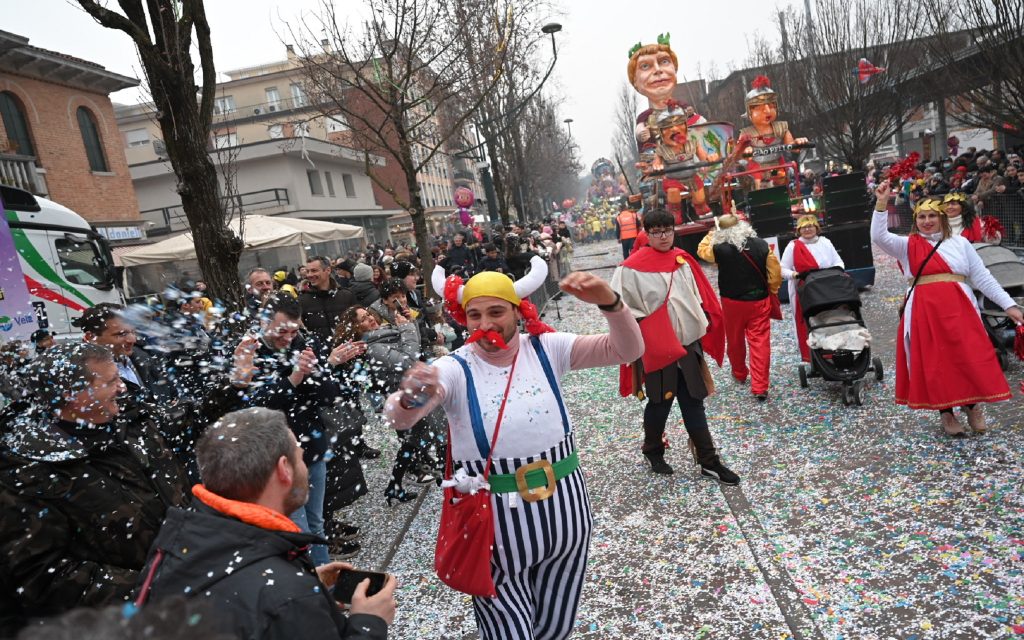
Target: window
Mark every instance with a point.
(315, 187)
(336, 123)
(273, 98)
(224, 105)
(275, 131)
(225, 140)
(137, 137)
(13, 115)
(91, 138)
(299, 96)
(350, 186)
(80, 261)
(330, 183)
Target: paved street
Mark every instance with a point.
(851, 522)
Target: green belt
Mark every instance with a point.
(535, 476)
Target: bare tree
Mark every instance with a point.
(624, 139)
(849, 118)
(163, 32)
(551, 172)
(401, 84)
(977, 50)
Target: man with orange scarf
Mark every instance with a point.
(664, 286)
(265, 584)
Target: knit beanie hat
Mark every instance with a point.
(362, 272)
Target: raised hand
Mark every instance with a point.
(588, 288)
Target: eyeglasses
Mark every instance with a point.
(666, 233)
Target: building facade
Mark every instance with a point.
(59, 137)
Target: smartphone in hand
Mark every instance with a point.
(345, 587)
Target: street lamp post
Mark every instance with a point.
(568, 125)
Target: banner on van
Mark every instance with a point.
(17, 316)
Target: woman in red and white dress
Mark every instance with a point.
(944, 358)
(809, 251)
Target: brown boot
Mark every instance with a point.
(976, 418)
(951, 425)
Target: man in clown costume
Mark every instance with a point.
(542, 530)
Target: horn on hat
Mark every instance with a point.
(533, 280)
(437, 278)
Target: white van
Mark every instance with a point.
(63, 267)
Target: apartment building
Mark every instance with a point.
(285, 158)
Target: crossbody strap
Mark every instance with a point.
(549, 373)
(920, 270)
(746, 255)
(473, 400)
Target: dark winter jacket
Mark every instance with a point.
(738, 279)
(366, 292)
(272, 592)
(493, 264)
(321, 310)
(79, 508)
(460, 259)
(301, 405)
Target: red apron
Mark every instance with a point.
(952, 362)
(803, 260)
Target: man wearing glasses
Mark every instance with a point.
(665, 288)
(143, 375)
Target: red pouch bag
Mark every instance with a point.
(661, 346)
(465, 537)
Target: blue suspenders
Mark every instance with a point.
(476, 416)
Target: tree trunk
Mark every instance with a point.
(499, 185)
(419, 230)
(217, 248)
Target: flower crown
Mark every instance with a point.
(662, 39)
(954, 196)
(930, 205)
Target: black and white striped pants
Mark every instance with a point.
(540, 556)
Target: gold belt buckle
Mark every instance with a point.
(540, 493)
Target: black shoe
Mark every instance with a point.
(341, 549)
(721, 473)
(424, 477)
(346, 532)
(761, 397)
(658, 464)
(368, 453)
(396, 492)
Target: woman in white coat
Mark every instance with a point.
(809, 251)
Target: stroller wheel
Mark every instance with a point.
(876, 364)
(857, 393)
(847, 395)
(803, 376)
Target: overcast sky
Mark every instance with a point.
(593, 44)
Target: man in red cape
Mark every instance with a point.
(681, 319)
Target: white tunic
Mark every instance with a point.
(825, 255)
(958, 253)
(532, 422)
(644, 293)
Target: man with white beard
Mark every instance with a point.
(749, 277)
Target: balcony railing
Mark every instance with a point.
(263, 109)
(167, 220)
(20, 171)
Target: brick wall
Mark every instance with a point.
(51, 115)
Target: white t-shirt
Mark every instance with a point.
(532, 422)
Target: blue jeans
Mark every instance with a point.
(311, 516)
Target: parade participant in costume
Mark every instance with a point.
(962, 219)
(766, 131)
(944, 359)
(748, 278)
(808, 252)
(541, 529)
(681, 319)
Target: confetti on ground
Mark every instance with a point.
(851, 522)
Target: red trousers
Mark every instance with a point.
(749, 322)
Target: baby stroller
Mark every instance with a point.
(838, 339)
(1008, 270)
